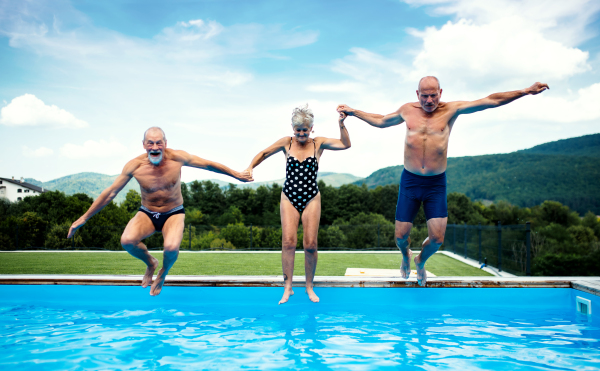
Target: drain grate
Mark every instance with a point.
(584, 306)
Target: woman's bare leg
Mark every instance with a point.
(310, 222)
(289, 236)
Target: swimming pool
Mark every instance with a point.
(192, 328)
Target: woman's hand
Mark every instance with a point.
(342, 118)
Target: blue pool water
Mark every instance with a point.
(194, 328)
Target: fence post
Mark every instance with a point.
(251, 235)
(190, 234)
(528, 244)
(454, 238)
(465, 224)
(378, 243)
(479, 233)
(499, 246)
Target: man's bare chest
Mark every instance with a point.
(157, 178)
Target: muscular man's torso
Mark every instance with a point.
(427, 135)
(160, 185)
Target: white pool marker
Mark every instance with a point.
(584, 306)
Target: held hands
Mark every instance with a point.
(536, 88)
(342, 108)
(75, 226)
(245, 176)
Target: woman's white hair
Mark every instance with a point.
(302, 115)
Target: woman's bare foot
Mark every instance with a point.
(147, 280)
(421, 272)
(405, 265)
(286, 295)
(158, 283)
(311, 295)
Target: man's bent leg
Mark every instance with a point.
(289, 227)
(436, 228)
(172, 236)
(310, 223)
(403, 242)
(138, 228)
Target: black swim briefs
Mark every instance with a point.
(159, 219)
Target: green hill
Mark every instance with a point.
(91, 184)
(587, 145)
(524, 178)
(332, 179)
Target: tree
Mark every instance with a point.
(132, 203)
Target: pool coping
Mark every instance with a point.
(587, 284)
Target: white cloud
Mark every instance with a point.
(28, 110)
(94, 149)
(563, 21)
(489, 53)
(40, 152)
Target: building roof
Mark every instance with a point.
(25, 184)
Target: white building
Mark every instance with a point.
(16, 190)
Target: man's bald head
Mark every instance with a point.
(154, 129)
(428, 82)
(429, 93)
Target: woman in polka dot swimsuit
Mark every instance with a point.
(300, 197)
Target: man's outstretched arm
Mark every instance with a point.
(200, 163)
(105, 197)
(373, 119)
(498, 99)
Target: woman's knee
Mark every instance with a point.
(310, 246)
(289, 243)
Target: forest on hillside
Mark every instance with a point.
(353, 217)
(519, 178)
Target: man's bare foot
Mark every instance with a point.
(286, 295)
(158, 283)
(405, 265)
(147, 280)
(311, 295)
(421, 272)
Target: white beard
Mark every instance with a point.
(155, 160)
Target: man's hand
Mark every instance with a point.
(244, 176)
(75, 226)
(536, 88)
(342, 108)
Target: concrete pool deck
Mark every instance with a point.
(587, 284)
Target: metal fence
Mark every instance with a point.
(507, 248)
(504, 247)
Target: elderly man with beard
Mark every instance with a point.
(428, 125)
(158, 172)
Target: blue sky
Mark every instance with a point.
(82, 80)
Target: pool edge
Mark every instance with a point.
(587, 284)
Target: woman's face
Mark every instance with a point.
(302, 132)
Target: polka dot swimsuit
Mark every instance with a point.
(301, 179)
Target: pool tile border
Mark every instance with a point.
(587, 284)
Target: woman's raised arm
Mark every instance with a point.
(268, 152)
(343, 142)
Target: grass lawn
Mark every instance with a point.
(214, 264)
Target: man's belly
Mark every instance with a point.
(432, 165)
(161, 201)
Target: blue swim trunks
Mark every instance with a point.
(414, 189)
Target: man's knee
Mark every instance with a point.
(171, 247)
(436, 238)
(128, 241)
